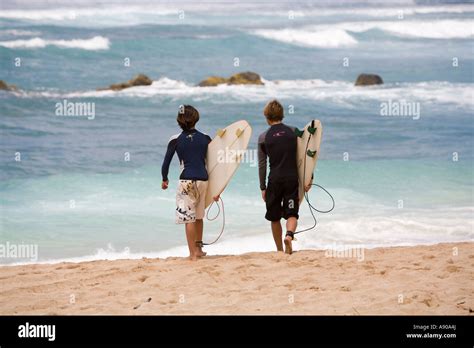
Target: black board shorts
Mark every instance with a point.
(282, 199)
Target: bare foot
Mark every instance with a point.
(192, 257)
(201, 253)
(288, 246)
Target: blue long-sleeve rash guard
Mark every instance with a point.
(191, 147)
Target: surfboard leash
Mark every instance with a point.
(312, 209)
(201, 243)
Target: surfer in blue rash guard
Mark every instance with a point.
(278, 143)
(191, 147)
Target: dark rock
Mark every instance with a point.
(368, 80)
(6, 87)
(244, 78)
(139, 80)
(212, 81)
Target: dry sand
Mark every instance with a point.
(400, 280)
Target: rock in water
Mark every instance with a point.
(6, 87)
(245, 78)
(368, 79)
(139, 80)
(212, 81)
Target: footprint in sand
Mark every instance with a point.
(211, 270)
(453, 269)
(143, 278)
(428, 301)
(427, 298)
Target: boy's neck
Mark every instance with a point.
(274, 123)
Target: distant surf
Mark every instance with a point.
(339, 34)
(341, 92)
(93, 44)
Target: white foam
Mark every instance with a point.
(19, 32)
(420, 227)
(430, 29)
(143, 13)
(326, 38)
(339, 92)
(93, 44)
(338, 34)
(71, 14)
(380, 12)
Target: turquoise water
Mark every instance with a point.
(75, 196)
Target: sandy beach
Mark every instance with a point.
(433, 279)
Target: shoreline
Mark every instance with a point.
(164, 254)
(413, 280)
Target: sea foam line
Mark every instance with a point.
(92, 44)
(341, 92)
(339, 34)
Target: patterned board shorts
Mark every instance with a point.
(190, 201)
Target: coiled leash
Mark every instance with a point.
(200, 243)
(312, 130)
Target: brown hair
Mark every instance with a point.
(187, 117)
(273, 111)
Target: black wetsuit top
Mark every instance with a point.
(279, 144)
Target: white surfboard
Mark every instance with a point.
(307, 153)
(224, 155)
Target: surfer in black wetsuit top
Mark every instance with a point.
(279, 144)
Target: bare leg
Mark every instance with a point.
(277, 234)
(200, 226)
(191, 237)
(291, 224)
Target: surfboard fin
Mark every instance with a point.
(239, 132)
(221, 132)
(299, 133)
(312, 130)
(311, 153)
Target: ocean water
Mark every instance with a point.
(396, 180)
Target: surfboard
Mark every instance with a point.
(224, 154)
(307, 153)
